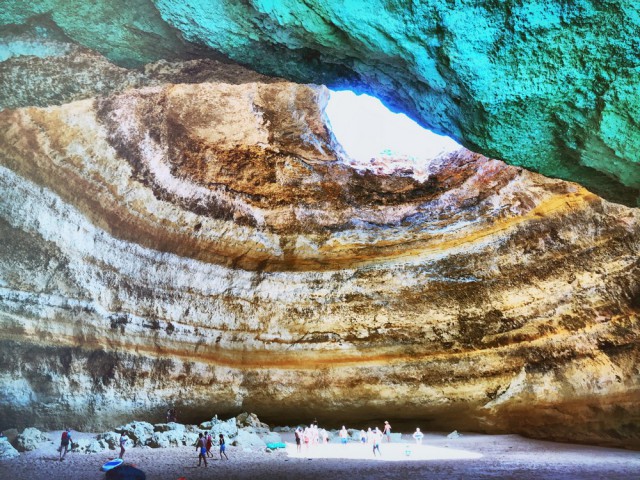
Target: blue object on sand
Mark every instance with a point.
(275, 445)
(111, 464)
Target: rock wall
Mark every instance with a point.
(204, 245)
(548, 84)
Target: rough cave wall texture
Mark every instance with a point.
(201, 244)
(549, 85)
(187, 233)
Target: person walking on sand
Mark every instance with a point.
(202, 446)
(209, 442)
(65, 441)
(123, 442)
(343, 435)
(363, 437)
(223, 447)
(387, 431)
(376, 439)
(418, 436)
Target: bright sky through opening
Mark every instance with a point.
(367, 129)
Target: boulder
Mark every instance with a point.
(228, 428)
(30, 438)
(159, 440)
(189, 439)
(165, 427)
(454, 435)
(7, 451)
(205, 426)
(248, 440)
(139, 432)
(284, 429)
(250, 420)
(177, 438)
(271, 437)
(112, 439)
(85, 445)
(12, 435)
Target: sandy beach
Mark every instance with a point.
(471, 456)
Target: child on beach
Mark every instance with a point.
(223, 447)
(202, 446)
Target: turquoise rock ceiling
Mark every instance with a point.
(549, 85)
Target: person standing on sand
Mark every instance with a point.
(223, 447)
(418, 436)
(343, 435)
(202, 446)
(123, 442)
(65, 441)
(376, 439)
(298, 434)
(209, 442)
(363, 437)
(387, 431)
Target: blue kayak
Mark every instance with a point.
(111, 464)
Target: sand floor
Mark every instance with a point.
(472, 456)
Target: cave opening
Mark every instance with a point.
(375, 138)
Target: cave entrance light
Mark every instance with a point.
(376, 139)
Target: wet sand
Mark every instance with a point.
(472, 456)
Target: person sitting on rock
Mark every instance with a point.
(65, 441)
(417, 435)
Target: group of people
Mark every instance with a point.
(204, 445)
(309, 436)
(312, 435)
(372, 437)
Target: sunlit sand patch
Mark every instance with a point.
(390, 452)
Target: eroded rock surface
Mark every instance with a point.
(203, 245)
(549, 85)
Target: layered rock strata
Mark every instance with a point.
(549, 85)
(203, 245)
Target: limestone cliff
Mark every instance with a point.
(548, 84)
(204, 245)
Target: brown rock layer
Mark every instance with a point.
(204, 245)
